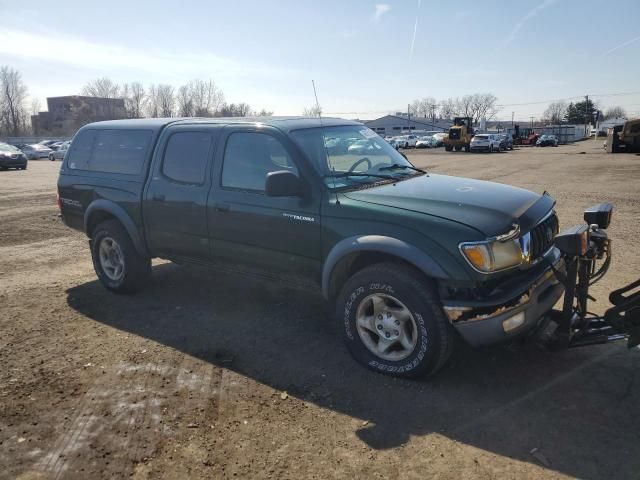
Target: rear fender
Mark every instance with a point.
(121, 215)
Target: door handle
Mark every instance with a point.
(222, 207)
(158, 197)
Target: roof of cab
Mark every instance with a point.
(286, 124)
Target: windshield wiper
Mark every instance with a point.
(357, 174)
(396, 166)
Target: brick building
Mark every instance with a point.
(67, 114)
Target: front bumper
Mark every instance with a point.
(13, 162)
(486, 326)
(480, 148)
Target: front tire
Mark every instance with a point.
(392, 322)
(120, 268)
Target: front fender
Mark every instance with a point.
(121, 215)
(382, 244)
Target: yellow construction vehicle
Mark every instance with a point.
(624, 138)
(460, 135)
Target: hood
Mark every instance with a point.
(491, 208)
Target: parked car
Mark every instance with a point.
(506, 142)
(360, 147)
(35, 151)
(60, 152)
(407, 141)
(425, 142)
(547, 141)
(396, 143)
(439, 138)
(405, 259)
(12, 157)
(485, 142)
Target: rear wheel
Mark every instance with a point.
(119, 266)
(392, 322)
(51, 157)
(448, 148)
(490, 148)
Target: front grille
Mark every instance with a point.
(542, 236)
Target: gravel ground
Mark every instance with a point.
(221, 376)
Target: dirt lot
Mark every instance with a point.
(219, 376)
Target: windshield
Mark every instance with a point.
(351, 149)
(480, 137)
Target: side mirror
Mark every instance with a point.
(282, 183)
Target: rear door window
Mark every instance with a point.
(186, 157)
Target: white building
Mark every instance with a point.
(401, 122)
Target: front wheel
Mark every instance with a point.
(119, 266)
(392, 322)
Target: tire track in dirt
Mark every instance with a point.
(123, 412)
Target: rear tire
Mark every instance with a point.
(448, 148)
(120, 268)
(392, 322)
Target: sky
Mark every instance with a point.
(367, 58)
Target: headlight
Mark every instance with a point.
(493, 256)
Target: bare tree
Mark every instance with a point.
(13, 113)
(134, 97)
(555, 112)
(206, 97)
(448, 108)
(415, 108)
(166, 100)
(35, 106)
(615, 112)
(465, 106)
(425, 107)
(152, 102)
(101, 87)
(184, 100)
(314, 111)
(483, 106)
(264, 113)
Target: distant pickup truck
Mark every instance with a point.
(407, 258)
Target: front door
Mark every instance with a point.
(245, 225)
(175, 208)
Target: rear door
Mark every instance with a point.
(175, 204)
(248, 227)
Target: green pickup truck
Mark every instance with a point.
(408, 258)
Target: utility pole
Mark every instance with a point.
(409, 117)
(531, 124)
(512, 115)
(586, 113)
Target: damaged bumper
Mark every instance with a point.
(491, 321)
